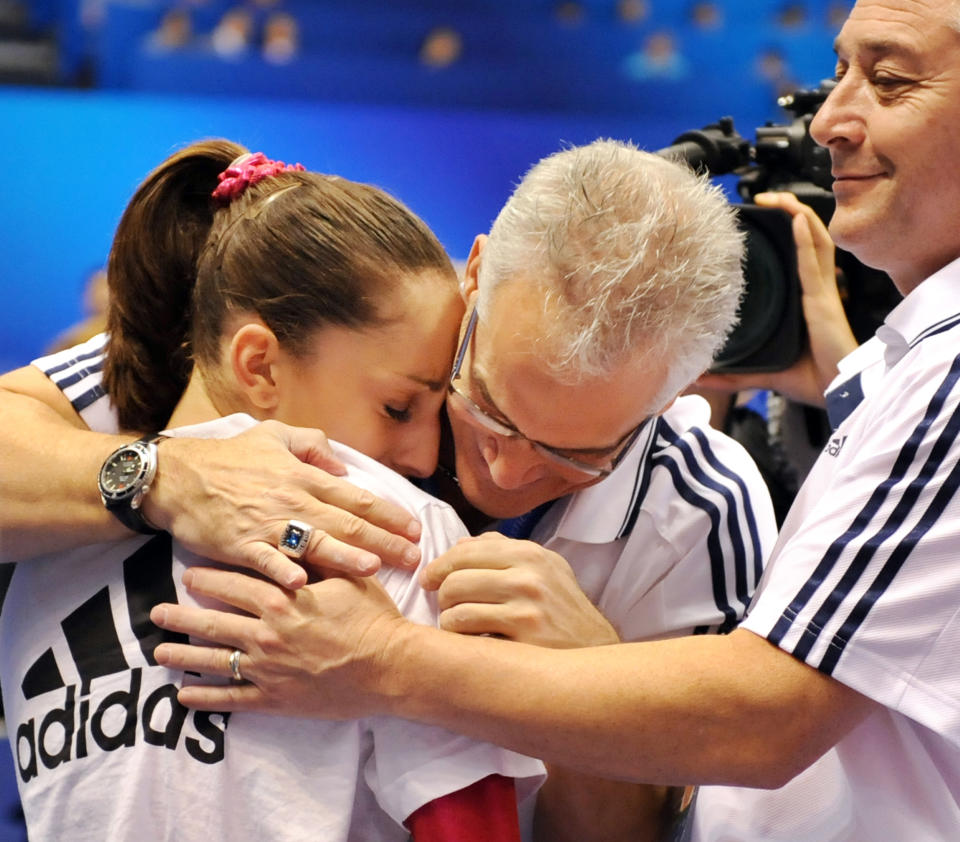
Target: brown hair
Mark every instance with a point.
(299, 249)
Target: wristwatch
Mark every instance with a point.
(125, 478)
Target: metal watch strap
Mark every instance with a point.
(123, 510)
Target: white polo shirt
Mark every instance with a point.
(673, 541)
(105, 752)
(864, 585)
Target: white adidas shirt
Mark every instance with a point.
(105, 752)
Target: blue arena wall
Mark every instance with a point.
(71, 160)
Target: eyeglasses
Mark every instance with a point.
(598, 463)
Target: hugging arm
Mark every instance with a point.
(48, 489)
(226, 499)
(704, 709)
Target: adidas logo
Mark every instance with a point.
(84, 720)
(835, 445)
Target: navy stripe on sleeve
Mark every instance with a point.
(704, 482)
(944, 494)
(862, 521)
(50, 372)
(714, 549)
(698, 472)
(938, 327)
(81, 402)
(745, 504)
(640, 484)
(75, 370)
(65, 383)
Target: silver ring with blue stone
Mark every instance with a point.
(296, 536)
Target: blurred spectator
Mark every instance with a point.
(632, 11)
(793, 16)
(95, 299)
(657, 59)
(706, 15)
(281, 38)
(569, 13)
(91, 13)
(442, 47)
(174, 32)
(771, 67)
(260, 13)
(234, 34)
(837, 13)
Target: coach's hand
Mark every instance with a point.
(230, 500)
(491, 584)
(322, 650)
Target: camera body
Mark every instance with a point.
(771, 331)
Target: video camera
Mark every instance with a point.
(771, 332)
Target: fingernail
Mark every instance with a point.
(368, 564)
(159, 615)
(413, 530)
(295, 579)
(160, 653)
(411, 556)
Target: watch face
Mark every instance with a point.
(121, 472)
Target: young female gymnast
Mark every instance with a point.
(318, 302)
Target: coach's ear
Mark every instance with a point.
(254, 357)
(468, 284)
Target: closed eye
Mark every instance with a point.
(401, 416)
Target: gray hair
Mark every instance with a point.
(637, 259)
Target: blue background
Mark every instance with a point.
(72, 159)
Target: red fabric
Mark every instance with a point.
(485, 811)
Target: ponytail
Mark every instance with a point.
(151, 275)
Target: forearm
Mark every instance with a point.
(48, 485)
(574, 807)
(703, 709)
(694, 710)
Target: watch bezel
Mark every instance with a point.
(147, 454)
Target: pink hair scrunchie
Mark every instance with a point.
(246, 170)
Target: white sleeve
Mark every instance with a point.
(702, 534)
(78, 373)
(414, 764)
(865, 585)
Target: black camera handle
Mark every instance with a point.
(718, 148)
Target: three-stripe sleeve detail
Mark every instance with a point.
(884, 530)
(704, 482)
(74, 371)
